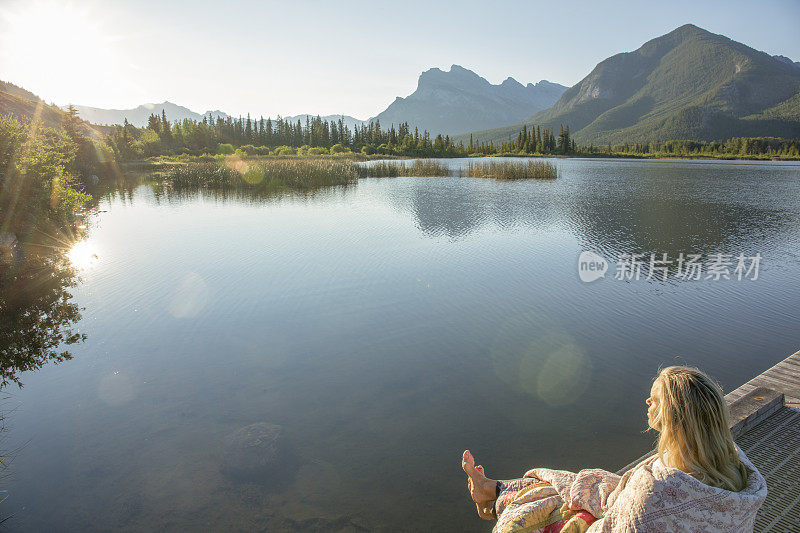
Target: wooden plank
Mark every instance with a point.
(784, 374)
(781, 375)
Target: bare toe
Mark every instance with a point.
(468, 463)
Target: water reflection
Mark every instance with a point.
(364, 334)
(165, 194)
(457, 207)
(619, 208)
(37, 314)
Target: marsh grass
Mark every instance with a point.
(270, 174)
(511, 170)
(392, 169)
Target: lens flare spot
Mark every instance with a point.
(191, 296)
(563, 375)
(253, 175)
(234, 162)
(535, 356)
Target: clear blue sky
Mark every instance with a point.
(350, 57)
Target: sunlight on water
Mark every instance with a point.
(83, 255)
(385, 327)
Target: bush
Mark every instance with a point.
(284, 150)
(35, 160)
(318, 150)
(339, 149)
(148, 144)
(225, 148)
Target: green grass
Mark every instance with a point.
(392, 169)
(270, 174)
(511, 170)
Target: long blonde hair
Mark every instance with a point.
(695, 430)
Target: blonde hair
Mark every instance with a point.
(695, 430)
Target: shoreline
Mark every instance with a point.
(167, 162)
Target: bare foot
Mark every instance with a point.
(482, 489)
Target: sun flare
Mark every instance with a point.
(58, 48)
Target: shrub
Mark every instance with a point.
(225, 148)
(284, 150)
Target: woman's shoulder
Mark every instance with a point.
(657, 495)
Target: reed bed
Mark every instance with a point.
(511, 170)
(264, 174)
(300, 174)
(392, 169)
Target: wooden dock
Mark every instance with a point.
(783, 377)
(765, 422)
(770, 436)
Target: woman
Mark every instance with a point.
(699, 479)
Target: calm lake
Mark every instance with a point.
(386, 327)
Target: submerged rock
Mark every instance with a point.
(253, 451)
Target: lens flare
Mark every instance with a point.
(191, 296)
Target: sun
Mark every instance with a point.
(55, 48)
(83, 255)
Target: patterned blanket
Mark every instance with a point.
(649, 497)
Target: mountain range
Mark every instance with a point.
(446, 102)
(687, 84)
(459, 101)
(138, 115)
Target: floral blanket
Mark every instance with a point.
(649, 497)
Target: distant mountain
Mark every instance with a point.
(350, 122)
(687, 84)
(460, 101)
(138, 116)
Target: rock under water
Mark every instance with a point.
(253, 452)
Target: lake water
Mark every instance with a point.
(386, 327)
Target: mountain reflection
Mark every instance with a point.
(457, 207)
(663, 209)
(645, 209)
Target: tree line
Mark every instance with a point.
(278, 137)
(315, 136)
(739, 147)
